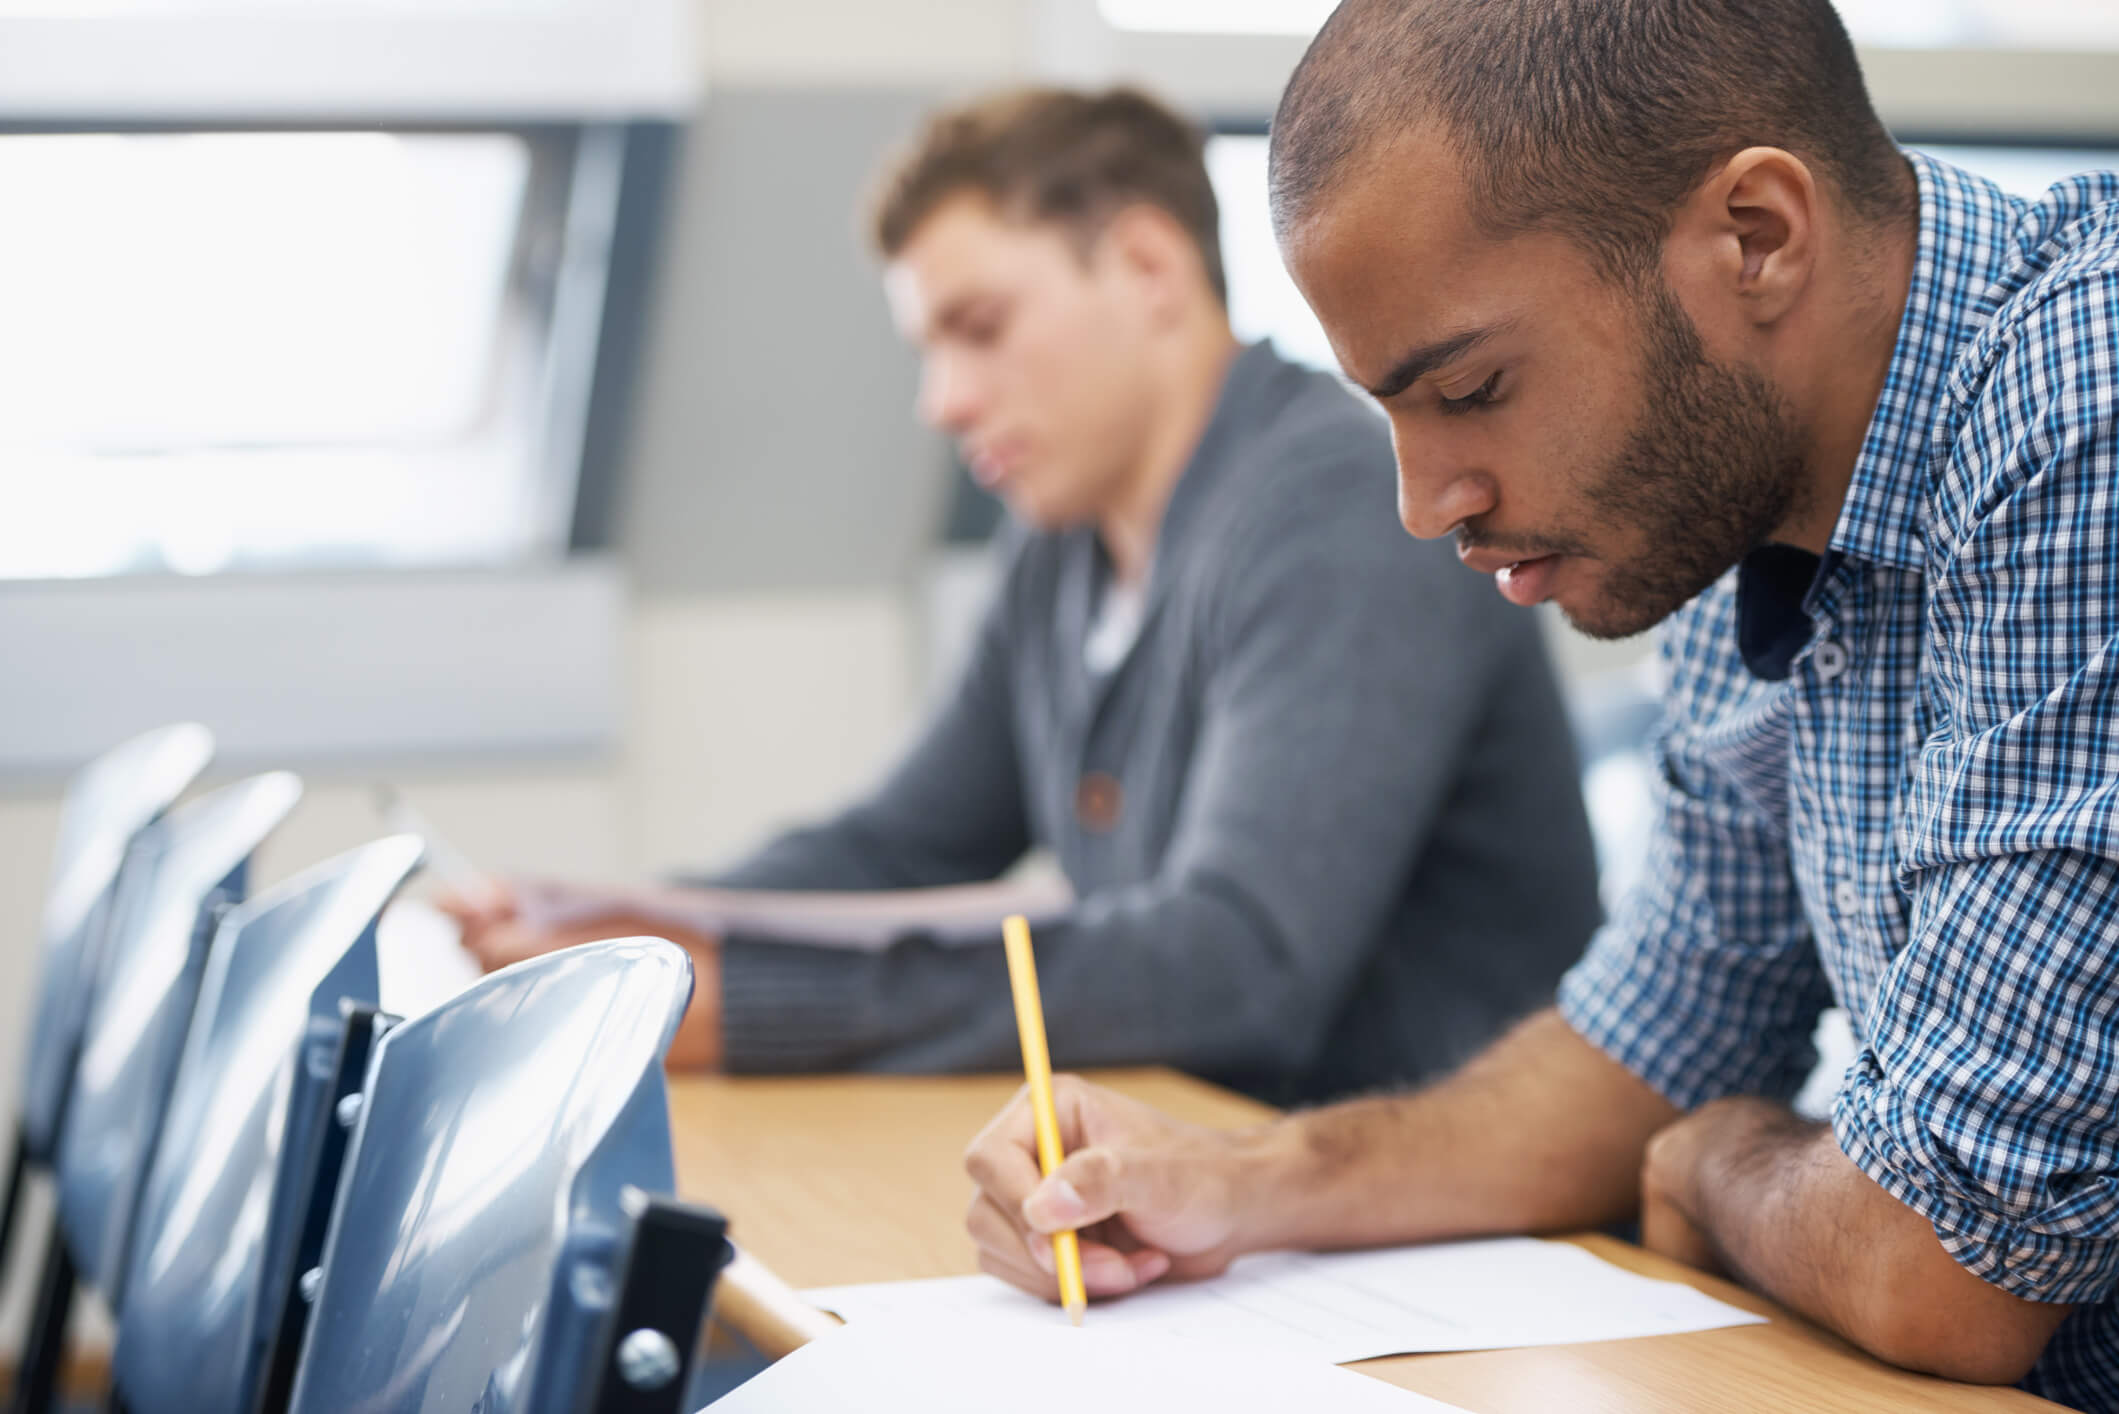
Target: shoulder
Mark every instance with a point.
(2055, 294)
(2032, 402)
(1311, 477)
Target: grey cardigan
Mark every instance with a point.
(1322, 823)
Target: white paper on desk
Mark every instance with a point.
(420, 960)
(1483, 1295)
(957, 913)
(1052, 1368)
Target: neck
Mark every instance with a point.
(1186, 385)
(1863, 340)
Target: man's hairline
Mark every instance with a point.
(1082, 233)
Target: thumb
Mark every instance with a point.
(1089, 1187)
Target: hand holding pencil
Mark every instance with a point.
(1142, 1197)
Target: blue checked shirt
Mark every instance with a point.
(1918, 817)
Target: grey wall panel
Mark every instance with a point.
(308, 669)
(775, 445)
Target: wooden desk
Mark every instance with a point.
(839, 1179)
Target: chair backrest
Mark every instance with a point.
(473, 1251)
(213, 1217)
(107, 803)
(183, 871)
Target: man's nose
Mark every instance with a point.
(1436, 495)
(946, 402)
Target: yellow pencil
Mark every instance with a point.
(1037, 1068)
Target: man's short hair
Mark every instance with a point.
(1591, 118)
(1057, 155)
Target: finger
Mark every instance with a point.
(1002, 1160)
(1002, 1244)
(1089, 1187)
(1106, 1271)
(1079, 1105)
(1029, 1279)
(477, 910)
(506, 943)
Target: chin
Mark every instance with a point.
(1609, 619)
(1045, 513)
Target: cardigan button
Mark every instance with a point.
(1098, 801)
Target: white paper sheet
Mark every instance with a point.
(1482, 1295)
(419, 958)
(1052, 1368)
(955, 914)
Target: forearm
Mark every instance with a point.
(1175, 978)
(1777, 1204)
(1542, 1133)
(869, 848)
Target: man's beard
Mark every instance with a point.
(1712, 468)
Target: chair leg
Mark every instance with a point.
(36, 1386)
(17, 1175)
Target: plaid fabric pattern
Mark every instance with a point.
(1922, 820)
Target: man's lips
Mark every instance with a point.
(1521, 579)
(1488, 561)
(991, 464)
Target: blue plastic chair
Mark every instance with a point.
(494, 1247)
(180, 873)
(108, 802)
(187, 870)
(221, 1208)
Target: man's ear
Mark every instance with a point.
(1155, 255)
(1747, 238)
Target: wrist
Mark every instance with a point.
(1276, 1178)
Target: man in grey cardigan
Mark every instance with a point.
(1311, 786)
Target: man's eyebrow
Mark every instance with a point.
(1420, 362)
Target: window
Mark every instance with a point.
(1263, 300)
(240, 350)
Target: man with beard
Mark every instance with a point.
(1312, 788)
(1669, 331)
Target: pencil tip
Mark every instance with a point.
(1074, 1312)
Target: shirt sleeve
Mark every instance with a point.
(1984, 1098)
(1706, 982)
(1341, 669)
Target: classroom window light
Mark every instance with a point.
(233, 350)
(2028, 24)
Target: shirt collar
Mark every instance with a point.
(1241, 407)
(1967, 225)
(1237, 411)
